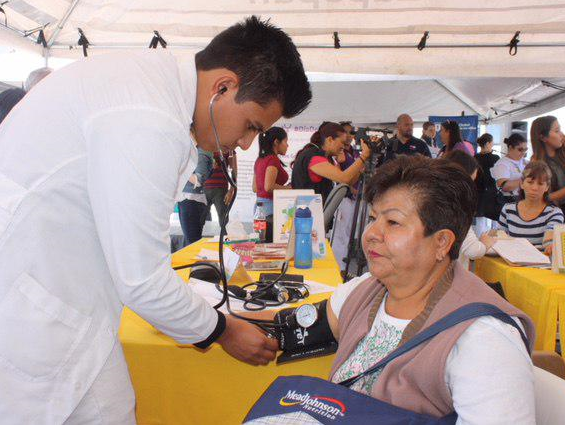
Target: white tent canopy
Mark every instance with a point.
(377, 72)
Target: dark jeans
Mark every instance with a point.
(216, 197)
(192, 216)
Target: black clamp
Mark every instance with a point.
(422, 43)
(83, 41)
(513, 45)
(41, 39)
(4, 12)
(337, 44)
(157, 39)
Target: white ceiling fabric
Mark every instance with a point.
(440, 80)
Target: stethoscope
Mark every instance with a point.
(305, 315)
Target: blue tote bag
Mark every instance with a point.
(298, 400)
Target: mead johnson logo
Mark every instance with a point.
(324, 406)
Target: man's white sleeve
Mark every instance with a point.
(135, 157)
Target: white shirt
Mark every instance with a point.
(488, 370)
(509, 169)
(471, 249)
(92, 161)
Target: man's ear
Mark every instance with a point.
(225, 82)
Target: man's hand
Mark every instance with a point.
(229, 195)
(246, 342)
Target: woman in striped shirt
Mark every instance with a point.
(533, 217)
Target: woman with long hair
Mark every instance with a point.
(314, 167)
(488, 209)
(450, 135)
(548, 145)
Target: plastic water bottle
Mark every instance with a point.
(260, 222)
(303, 222)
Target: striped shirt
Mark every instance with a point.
(534, 229)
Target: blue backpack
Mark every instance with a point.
(307, 400)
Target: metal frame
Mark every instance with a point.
(447, 87)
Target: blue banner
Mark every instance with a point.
(469, 126)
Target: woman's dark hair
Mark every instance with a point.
(484, 140)
(464, 160)
(541, 128)
(327, 129)
(514, 140)
(445, 195)
(267, 140)
(540, 171)
(454, 134)
(266, 62)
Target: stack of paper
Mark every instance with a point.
(520, 252)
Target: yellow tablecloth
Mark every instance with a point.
(531, 290)
(183, 385)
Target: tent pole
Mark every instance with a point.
(62, 23)
(465, 101)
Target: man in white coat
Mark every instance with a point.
(91, 164)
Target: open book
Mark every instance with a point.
(520, 252)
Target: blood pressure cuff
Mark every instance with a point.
(299, 343)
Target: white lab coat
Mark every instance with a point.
(91, 162)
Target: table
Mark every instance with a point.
(532, 290)
(177, 384)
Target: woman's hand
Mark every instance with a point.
(548, 250)
(487, 240)
(365, 151)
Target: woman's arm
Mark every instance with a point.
(254, 184)
(508, 185)
(558, 195)
(472, 247)
(270, 179)
(333, 173)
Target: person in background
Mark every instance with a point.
(548, 144)
(507, 172)
(472, 247)
(350, 154)
(194, 208)
(8, 99)
(216, 187)
(450, 135)
(534, 216)
(269, 171)
(429, 134)
(404, 142)
(488, 209)
(313, 169)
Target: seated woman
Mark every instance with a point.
(534, 216)
(472, 247)
(313, 167)
(421, 210)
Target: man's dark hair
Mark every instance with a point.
(444, 194)
(427, 125)
(266, 62)
(464, 160)
(8, 99)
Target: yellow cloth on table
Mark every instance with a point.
(182, 385)
(560, 299)
(529, 289)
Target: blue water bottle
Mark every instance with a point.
(303, 222)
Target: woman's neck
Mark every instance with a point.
(550, 151)
(533, 203)
(513, 157)
(407, 301)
